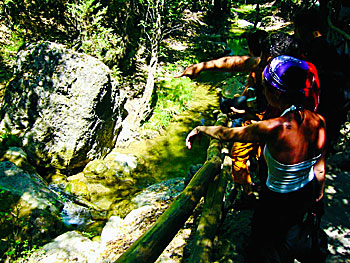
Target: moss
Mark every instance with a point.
(94, 230)
(95, 167)
(78, 188)
(121, 208)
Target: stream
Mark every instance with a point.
(165, 156)
(161, 157)
(135, 165)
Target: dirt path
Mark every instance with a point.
(336, 220)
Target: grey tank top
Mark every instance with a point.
(285, 178)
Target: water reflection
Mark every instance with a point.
(75, 215)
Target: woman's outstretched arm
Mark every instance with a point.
(224, 64)
(252, 133)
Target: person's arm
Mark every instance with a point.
(224, 64)
(255, 132)
(319, 170)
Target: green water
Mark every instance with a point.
(166, 155)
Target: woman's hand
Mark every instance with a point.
(191, 136)
(191, 71)
(320, 173)
(319, 197)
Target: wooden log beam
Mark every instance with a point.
(213, 205)
(215, 145)
(151, 244)
(209, 221)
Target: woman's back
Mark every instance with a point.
(293, 149)
(298, 134)
(292, 142)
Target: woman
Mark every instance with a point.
(294, 152)
(262, 48)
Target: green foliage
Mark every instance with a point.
(238, 46)
(246, 8)
(8, 51)
(159, 19)
(112, 31)
(12, 246)
(88, 234)
(173, 97)
(10, 47)
(95, 37)
(8, 139)
(88, 26)
(246, 12)
(41, 19)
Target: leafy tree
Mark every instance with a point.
(93, 36)
(40, 19)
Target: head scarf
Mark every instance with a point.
(279, 65)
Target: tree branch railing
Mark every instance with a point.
(208, 180)
(213, 206)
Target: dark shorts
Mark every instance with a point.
(274, 217)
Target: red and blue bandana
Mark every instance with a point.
(279, 65)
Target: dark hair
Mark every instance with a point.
(280, 43)
(255, 40)
(295, 78)
(308, 18)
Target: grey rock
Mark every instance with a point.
(66, 248)
(63, 104)
(30, 204)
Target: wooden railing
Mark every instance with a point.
(210, 182)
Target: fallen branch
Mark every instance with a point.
(151, 244)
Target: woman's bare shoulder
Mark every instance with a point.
(269, 127)
(315, 119)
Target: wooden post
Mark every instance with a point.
(215, 146)
(151, 244)
(213, 206)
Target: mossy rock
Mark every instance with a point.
(28, 207)
(78, 188)
(58, 178)
(121, 209)
(95, 169)
(18, 157)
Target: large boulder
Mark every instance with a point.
(63, 104)
(29, 209)
(69, 247)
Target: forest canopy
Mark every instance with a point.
(114, 31)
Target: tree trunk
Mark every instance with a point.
(139, 113)
(257, 16)
(145, 105)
